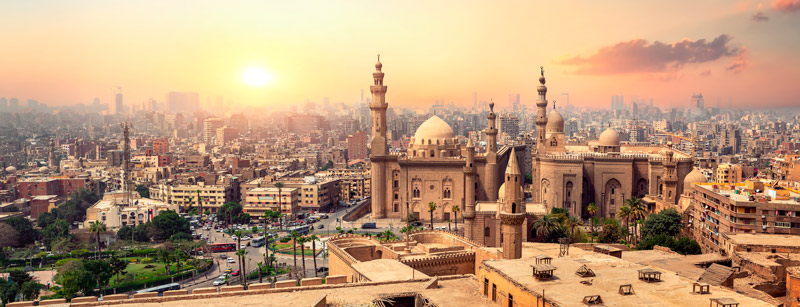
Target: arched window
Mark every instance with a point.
(432, 153)
(486, 231)
(513, 207)
(416, 192)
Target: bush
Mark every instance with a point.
(285, 239)
(686, 246)
(610, 233)
(659, 239)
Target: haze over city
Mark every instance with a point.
(65, 52)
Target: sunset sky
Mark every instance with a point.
(66, 52)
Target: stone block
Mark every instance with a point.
(335, 279)
(232, 288)
(285, 284)
(321, 302)
(313, 281)
(52, 302)
(20, 304)
(115, 297)
(145, 295)
(205, 290)
(259, 286)
(432, 284)
(176, 292)
(83, 299)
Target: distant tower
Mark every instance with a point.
(118, 101)
(491, 154)
(511, 215)
(378, 108)
(469, 189)
(51, 158)
(126, 154)
(541, 114)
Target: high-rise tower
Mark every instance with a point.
(541, 114)
(378, 143)
(511, 214)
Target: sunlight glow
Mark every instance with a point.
(257, 77)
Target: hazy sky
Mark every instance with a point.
(64, 52)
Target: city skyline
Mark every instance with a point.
(431, 51)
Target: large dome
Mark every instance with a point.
(11, 169)
(555, 122)
(44, 169)
(609, 137)
(695, 176)
(433, 129)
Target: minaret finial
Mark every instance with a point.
(554, 104)
(542, 68)
(491, 106)
(379, 57)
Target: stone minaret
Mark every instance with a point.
(378, 142)
(51, 158)
(491, 155)
(512, 212)
(541, 114)
(126, 155)
(469, 189)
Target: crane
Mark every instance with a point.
(690, 139)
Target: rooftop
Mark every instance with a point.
(763, 239)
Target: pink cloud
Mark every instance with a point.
(637, 56)
(786, 5)
(740, 63)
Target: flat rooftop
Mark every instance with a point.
(387, 270)
(763, 239)
(610, 272)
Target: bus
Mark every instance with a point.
(258, 241)
(162, 288)
(222, 247)
(302, 229)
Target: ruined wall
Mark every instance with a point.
(504, 288)
(793, 287)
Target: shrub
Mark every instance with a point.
(686, 246)
(659, 239)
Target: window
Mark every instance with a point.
(396, 206)
(396, 184)
(510, 300)
(486, 232)
(612, 191)
(494, 293)
(486, 286)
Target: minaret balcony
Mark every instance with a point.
(470, 170)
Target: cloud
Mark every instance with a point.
(706, 73)
(786, 5)
(740, 63)
(760, 16)
(639, 56)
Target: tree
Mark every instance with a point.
(181, 237)
(56, 230)
(24, 227)
(242, 253)
(97, 227)
(610, 232)
(10, 236)
(431, 208)
(260, 266)
(625, 213)
(592, 208)
(639, 211)
(327, 166)
(302, 241)
(545, 225)
(229, 211)
(295, 236)
(117, 265)
(143, 191)
(238, 235)
(279, 185)
(8, 291)
(100, 272)
(667, 222)
(571, 223)
(687, 246)
(30, 290)
(45, 219)
(659, 239)
(166, 257)
(168, 223)
(199, 201)
(189, 200)
(455, 210)
(313, 238)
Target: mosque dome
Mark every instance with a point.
(695, 176)
(555, 122)
(44, 169)
(433, 129)
(501, 194)
(11, 169)
(609, 137)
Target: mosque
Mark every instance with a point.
(487, 188)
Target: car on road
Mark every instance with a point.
(219, 282)
(228, 270)
(322, 269)
(223, 256)
(416, 224)
(242, 246)
(235, 273)
(245, 238)
(231, 260)
(320, 226)
(369, 226)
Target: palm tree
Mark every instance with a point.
(164, 256)
(455, 210)
(302, 241)
(260, 266)
(238, 235)
(313, 238)
(571, 223)
(431, 208)
(639, 212)
(199, 201)
(625, 213)
(295, 236)
(268, 216)
(545, 225)
(97, 227)
(279, 186)
(189, 200)
(242, 253)
(592, 212)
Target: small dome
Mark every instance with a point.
(609, 137)
(501, 194)
(695, 176)
(11, 169)
(555, 122)
(378, 65)
(44, 169)
(433, 129)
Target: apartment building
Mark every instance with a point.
(258, 200)
(186, 196)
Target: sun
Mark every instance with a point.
(256, 77)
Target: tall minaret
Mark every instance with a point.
(512, 212)
(378, 142)
(126, 154)
(491, 155)
(51, 158)
(541, 114)
(469, 190)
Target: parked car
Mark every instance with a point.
(322, 269)
(231, 260)
(235, 273)
(228, 270)
(223, 256)
(219, 282)
(416, 224)
(242, 246)
(320, 226)
(369, 226)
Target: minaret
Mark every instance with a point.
(512, 212)
(541, 114)
(51, 159)
(126, 153)
(491, 155)
(469, 190)
(378, 142)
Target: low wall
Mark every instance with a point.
(590, 246)
(358, 211)
(139, 295)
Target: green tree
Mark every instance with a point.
(24, 227)
(199, 201)
(238, 235)
(431, 208)
(455, 210)
(610, 232)
(8, 291)
(639, 212)
(592, 209)
(181, 237)
(117, 265)
(686, 246)
(143, 191)
(545, 226)
(295, 236)
(313, 239)
(45, 219)
(165, 256)
(625, 213)
(302, 241)
(97, 227)
(30, 290)
(571, 223)
(242, 253)
(668, 222)
(659, 239)
(100, 272)
(56, 230)
(229, 211)
(279, 185)
(168, 223)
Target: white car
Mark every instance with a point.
(231, 260)
(234, 237)
(242, 246)
(219, 282)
